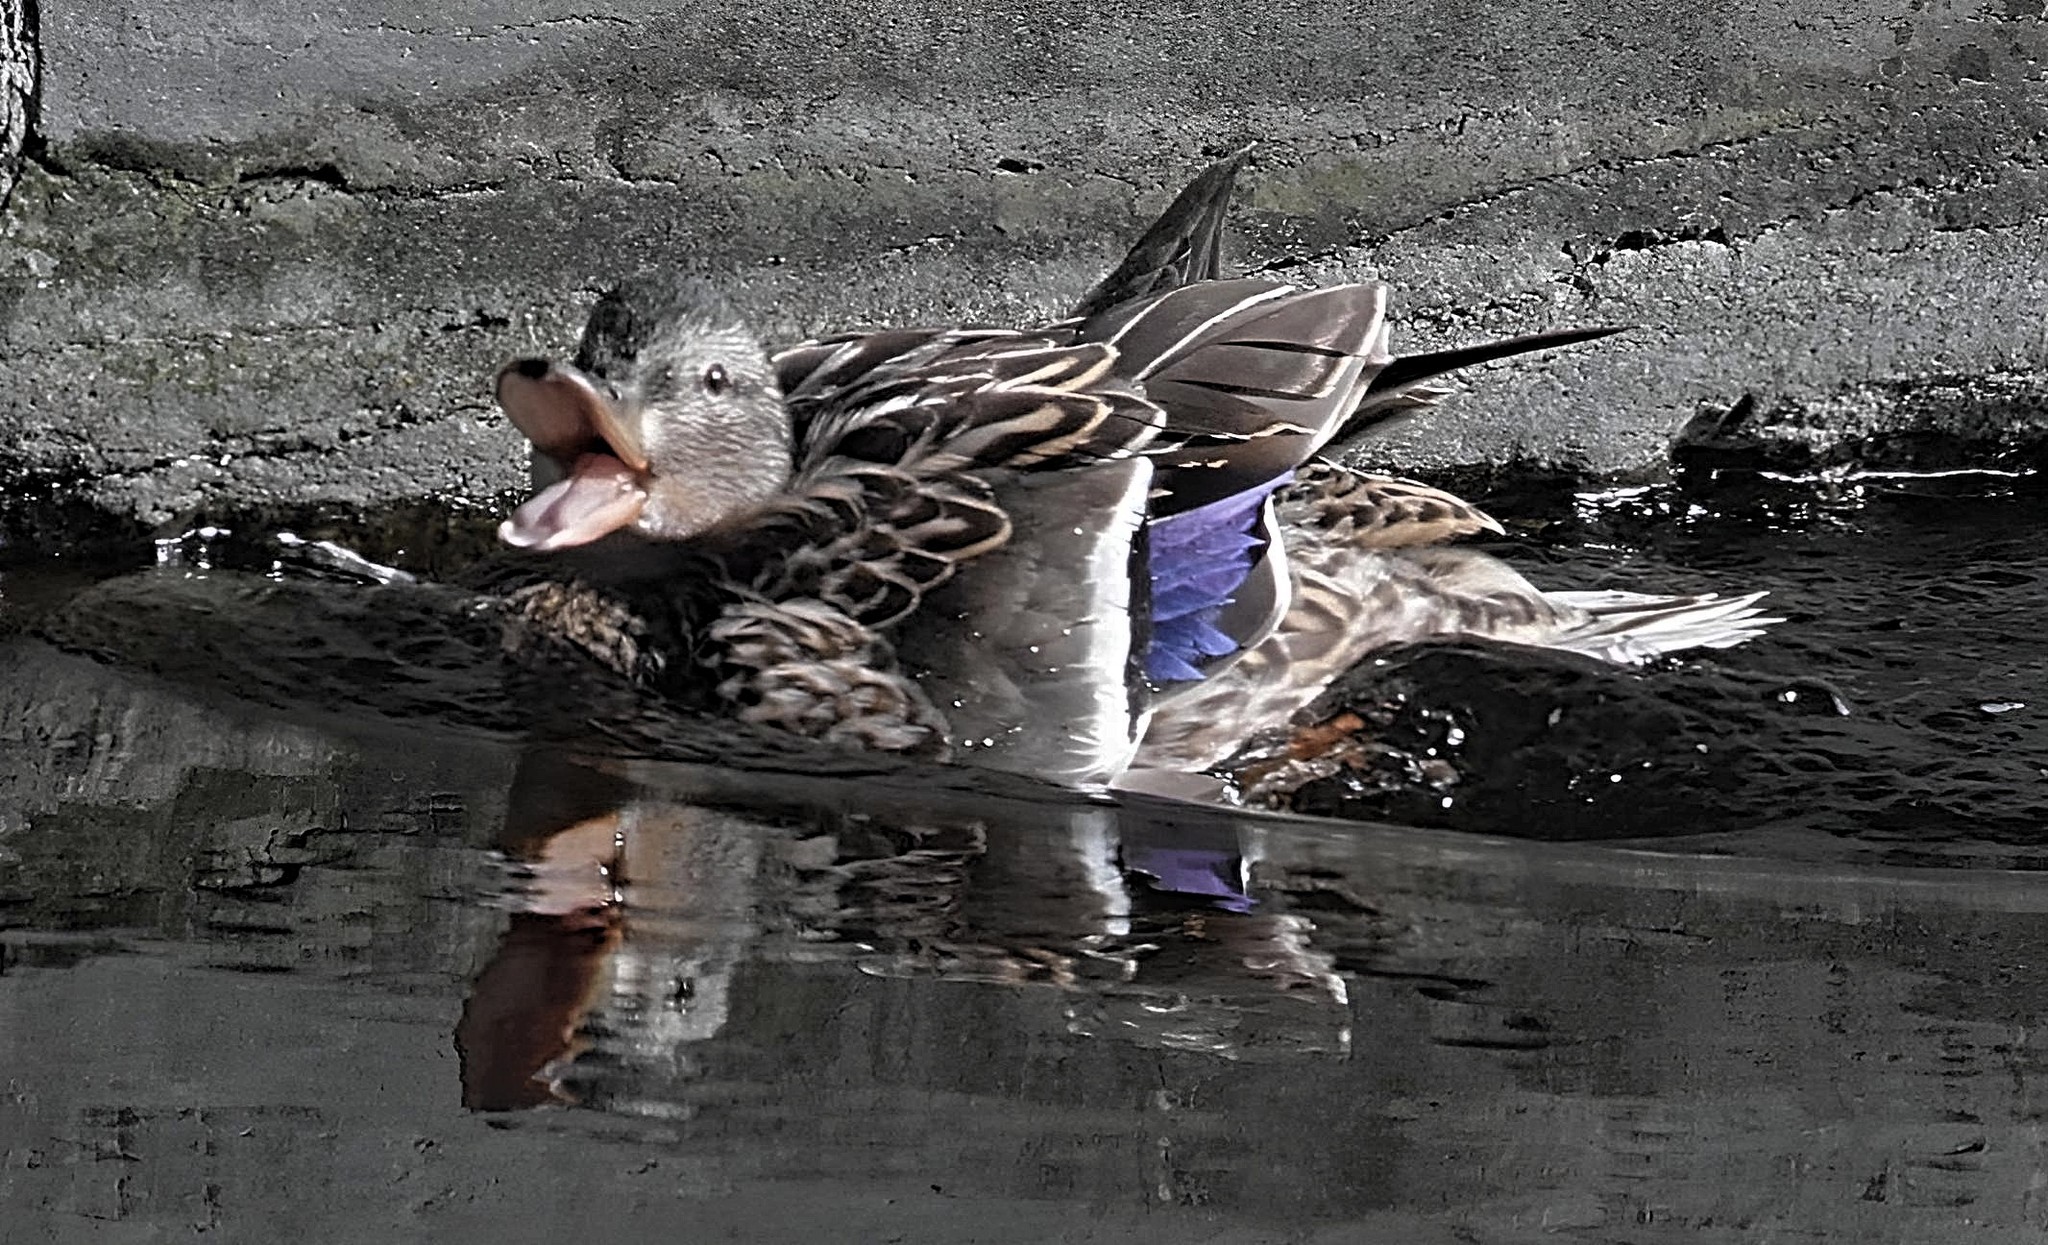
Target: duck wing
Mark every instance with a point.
(1288, 608)
(904, 438)
(973, 498)
(1335, 507)
(1183, 247)
(1343, 608)
(1257, 375)
(933, 401)
(1252, 375)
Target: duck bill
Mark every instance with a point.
(565, 414)
(599, 459)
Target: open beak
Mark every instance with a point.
(593, 441)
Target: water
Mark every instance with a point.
(1899, 714)
(325, 976)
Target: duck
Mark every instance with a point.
(1101, 550)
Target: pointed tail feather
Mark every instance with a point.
(1630, 628)
(1183, 246)
(1408, 369)
(1393, 391)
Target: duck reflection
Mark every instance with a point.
(640, 902)
(564, 832)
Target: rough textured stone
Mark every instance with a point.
(17, 89)
(256, 252)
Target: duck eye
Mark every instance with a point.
(715, 379)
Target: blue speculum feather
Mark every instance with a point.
(1199, 558)
(1210, 873)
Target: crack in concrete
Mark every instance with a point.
(1708, 150)
(1645, 240)
(452, 321)
(1582, 259)
(1918, 189)
(326, 177)
(465, 33)
(474, 33)
(225, 451)
(326, 173)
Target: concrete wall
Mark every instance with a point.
(256, 250)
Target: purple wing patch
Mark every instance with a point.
(1198, 559)
(1216, 875)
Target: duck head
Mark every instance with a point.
(668, 423)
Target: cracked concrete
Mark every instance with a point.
(255, 254)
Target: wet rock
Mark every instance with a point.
(1922, 424)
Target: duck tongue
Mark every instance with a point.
(599, 495)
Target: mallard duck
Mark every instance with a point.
(1100, 547)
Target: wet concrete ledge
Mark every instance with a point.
(253, 253)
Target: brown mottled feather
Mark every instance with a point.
(1355, 509)
(806, 668)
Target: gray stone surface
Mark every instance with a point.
(256, 251)
(17, 88)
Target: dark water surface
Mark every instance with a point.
(1899, 714)
(321, 976)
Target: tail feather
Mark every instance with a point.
(1407, 369)
(1634, 627)
(1399, 389)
